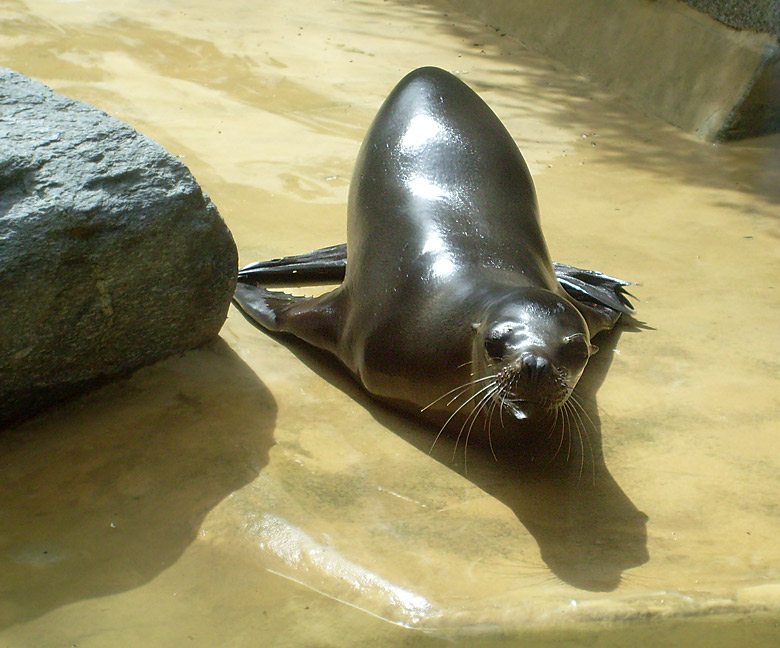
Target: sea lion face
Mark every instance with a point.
(531, 348)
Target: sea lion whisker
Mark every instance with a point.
(494, 404)
(460, 388)
(581, 428)
(454, 414)
(568, 432)
(482, 404)
(578, 405)
(578, 425)
(501, 410)
(489, 418)
(580, 431)
(551, 428)
(459, 394)
(472, 416)
(564, 421)
(576, 400)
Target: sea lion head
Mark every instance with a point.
(531, 347)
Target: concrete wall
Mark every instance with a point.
(662, 55)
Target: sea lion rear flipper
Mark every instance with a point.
(312, 319)
(323, 266)
(329, 264)
(593, 286)
(601, 298)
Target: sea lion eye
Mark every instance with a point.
(496, 341)
(576, 347)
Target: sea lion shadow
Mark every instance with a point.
(588, 530)
(103, 494)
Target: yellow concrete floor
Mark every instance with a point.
(247, 494)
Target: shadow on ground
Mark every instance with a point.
(532, 84)
(559, 487)
(101, 495)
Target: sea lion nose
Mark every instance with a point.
(534, 364)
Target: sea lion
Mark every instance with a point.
(450, 306)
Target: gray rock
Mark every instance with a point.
(111, 256)
(757, 15)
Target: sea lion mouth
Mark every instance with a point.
(522, 410)
(528, 388)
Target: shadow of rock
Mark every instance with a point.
(103, 494)
(587, 528)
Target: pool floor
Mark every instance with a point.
(249, 494)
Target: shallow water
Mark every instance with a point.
(248, 494)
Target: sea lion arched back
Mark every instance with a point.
(448, 174)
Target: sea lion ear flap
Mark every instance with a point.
(593, 349)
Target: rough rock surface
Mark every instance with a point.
(111, 256)
(758, 15)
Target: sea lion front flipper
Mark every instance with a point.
(312, 319)
(323, 266)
